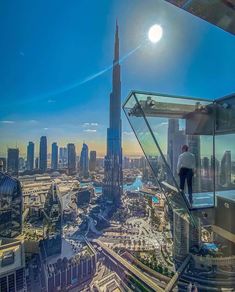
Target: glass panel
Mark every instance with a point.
(156, 159)
(225, 164)
(225, 176)
(224, 147)
(177, 121)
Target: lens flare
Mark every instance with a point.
(155, 33)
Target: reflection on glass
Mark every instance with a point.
(172, 122)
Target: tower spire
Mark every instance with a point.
(116, 45)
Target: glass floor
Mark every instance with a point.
(206, 199)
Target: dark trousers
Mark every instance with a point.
(186, 174)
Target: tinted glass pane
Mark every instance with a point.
(156, 158)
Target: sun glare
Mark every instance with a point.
(155, 33)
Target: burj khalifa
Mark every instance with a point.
(112, 188)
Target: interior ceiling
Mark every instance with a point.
(218, 12)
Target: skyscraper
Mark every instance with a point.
(10, 206)
(226, 169)
(30, 156)
(63, 156)
(3, 163)
(84, 161)
(175, 140)
(54, 156)
(206, 180)
(22, 164)
(13, 161)
(71, 158)
(186, 236)
(52, 223)
(92, 162)
(112, 188)
(214, 172)
(194, 144)
(43, 154)
(205, 166)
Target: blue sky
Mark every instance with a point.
(48, 46)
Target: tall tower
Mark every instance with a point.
(92, 162)
(225, 169)
(30, 156)
(54, 156)
(175, 140)
(43, 154)
(84, 161)
(112, 188)
(193, 142)
(71, 158)
(13, 161)
(52, 223)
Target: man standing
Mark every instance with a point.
(185, 168)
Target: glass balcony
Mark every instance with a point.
(163, 123)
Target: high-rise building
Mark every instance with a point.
(193, 142)
(175, 139)
(226, 169)
(205, 166)
(3, 163)
(186, 236)
(22, 164)
(10, 206)
(214, 172)
(71, 158)
(113, 180)
(63, 156)
(54, 156)
(206, 180)
(92, 162)
(52, 226)
(30, 156)
(13, 161)
(84, 161)
(43, 154)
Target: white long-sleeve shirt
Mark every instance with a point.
(187, 160)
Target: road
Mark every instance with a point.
(134, 271)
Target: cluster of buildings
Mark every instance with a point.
(63, 263)
(63, 158)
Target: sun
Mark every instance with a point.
(155, 33)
